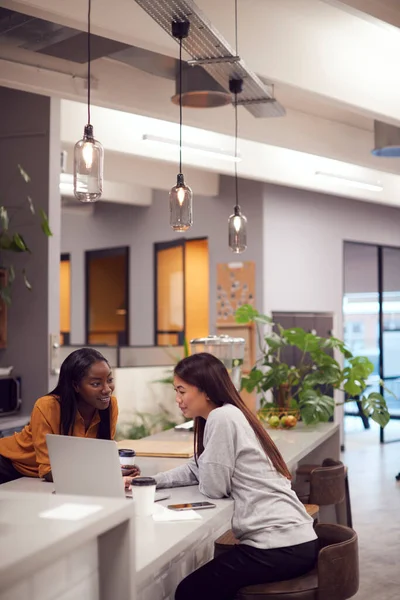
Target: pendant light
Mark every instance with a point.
(180, 196)
(237, 223)
(88, 152)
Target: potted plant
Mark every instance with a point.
(11, 241)
(304, 388)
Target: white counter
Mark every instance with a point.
(298, 445)
(167, 552)
(45, 558)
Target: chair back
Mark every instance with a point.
(327, 485)
(338, 568)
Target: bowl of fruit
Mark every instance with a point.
(279, 418)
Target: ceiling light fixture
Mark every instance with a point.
(237, 223)
(180, 196)
(197, 149)
(88, 152)
(363, 185)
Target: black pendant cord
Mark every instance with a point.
(236, 27)
(236, 139)
(89, 56)
(180, 105)
(236, 116)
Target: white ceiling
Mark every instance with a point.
(303, 101)
(387, 11)
(332, 70)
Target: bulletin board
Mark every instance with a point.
(235, 287)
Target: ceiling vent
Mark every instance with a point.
(387, 140)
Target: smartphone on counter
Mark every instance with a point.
(191, 506)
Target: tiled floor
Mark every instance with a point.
(375, 497)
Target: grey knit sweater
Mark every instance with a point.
(267, 512)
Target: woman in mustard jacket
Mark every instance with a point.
(82, 405)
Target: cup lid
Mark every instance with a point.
(142, 481)
(126, 452)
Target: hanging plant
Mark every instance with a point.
(12, 241)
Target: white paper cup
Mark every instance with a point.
(143, 494)
(126, 458)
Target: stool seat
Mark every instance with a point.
(335, 577)
(299, 588)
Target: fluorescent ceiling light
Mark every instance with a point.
(70, 511)
(216, 152)
(363, 185)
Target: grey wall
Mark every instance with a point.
(29, 135)
(140, 228)
(304, 235)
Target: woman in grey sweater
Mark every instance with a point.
(235, 456)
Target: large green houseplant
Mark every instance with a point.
(11, 240)
(305, 387)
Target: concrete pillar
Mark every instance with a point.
(30, 136)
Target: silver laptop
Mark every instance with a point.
(87, 467)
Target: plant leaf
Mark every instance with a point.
(5, 241)
(5, 294)
(353, 387)
(4, 220)
(315, 407)
(247, 313)
(31, 206)
(45, 224)
(26, 282)
(24, 174)
(11, 274)
(18, 243)
(186, 349)
(375, 407)
(263, 319)
(274, 341)
(295, 337)
(252, 380)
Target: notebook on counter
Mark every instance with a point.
(160, 448)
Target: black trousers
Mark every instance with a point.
(7, 471)
(243, 565)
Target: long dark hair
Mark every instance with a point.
(209, 375)
(73, 370)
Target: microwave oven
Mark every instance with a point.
(10, 395)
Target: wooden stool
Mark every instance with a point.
(227, 539)
(335, 577)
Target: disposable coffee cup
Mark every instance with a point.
(143, 494)
(126, 458)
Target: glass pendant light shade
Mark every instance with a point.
(181, 205)
(237, 231)
(88, 167)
